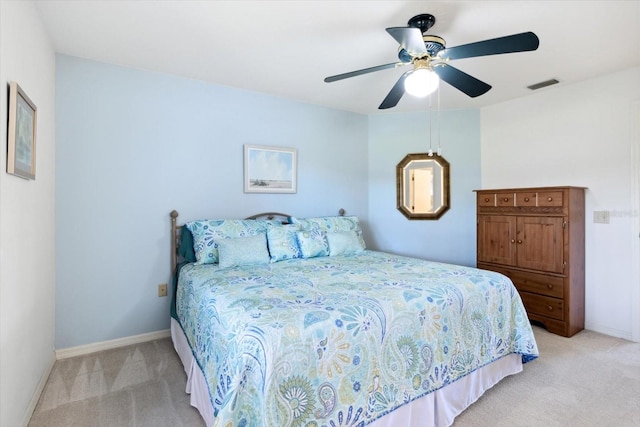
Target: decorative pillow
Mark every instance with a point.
(312, 244)
(207, 232)
(344, 243)
(330, 224)
(243, 250)
(282, 241)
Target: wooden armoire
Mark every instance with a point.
(535, 236)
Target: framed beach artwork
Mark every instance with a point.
(269, 169)
(21, 135)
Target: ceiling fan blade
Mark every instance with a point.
(394, 95)
(409, 38)
(522, 42)
(363, 71)
(462, 81)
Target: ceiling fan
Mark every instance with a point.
(430, 58)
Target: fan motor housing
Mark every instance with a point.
(433, 44)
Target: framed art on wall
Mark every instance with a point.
(21, 135)
(269, 169)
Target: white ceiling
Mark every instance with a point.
(286, 48)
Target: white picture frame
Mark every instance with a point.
(270, 169)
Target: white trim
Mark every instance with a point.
(28, 413)
(635, 222)
(612, 332)
(107, 345)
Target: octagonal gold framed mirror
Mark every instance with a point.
(422, 184)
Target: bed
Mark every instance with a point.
(287, 321)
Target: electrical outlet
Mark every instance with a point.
(162, 290)
(601, 217)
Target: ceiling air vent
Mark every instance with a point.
(543, 84)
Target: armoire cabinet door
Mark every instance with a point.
(496, 239)
(540, 243)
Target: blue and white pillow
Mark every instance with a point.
(344, 243)
(243, 250)
(330, 224)
(282, 241)
(312, 243)
(206, 233)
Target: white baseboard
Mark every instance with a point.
(38, 392)
(107, 345)
(617, 333)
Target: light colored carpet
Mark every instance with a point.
(138, 385)
(587, 380)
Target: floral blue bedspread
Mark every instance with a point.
(337, 341)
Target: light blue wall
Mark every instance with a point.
(391, 137)
(132, 145)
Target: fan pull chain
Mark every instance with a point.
(439, 146)
(430, 153)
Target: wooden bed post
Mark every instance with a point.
(174, 237)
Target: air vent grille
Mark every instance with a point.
(545, 83)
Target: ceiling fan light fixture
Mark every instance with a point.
(426, 51)
(421, 82)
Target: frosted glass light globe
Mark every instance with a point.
(421, 82)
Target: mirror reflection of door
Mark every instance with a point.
(421, 192)
(422, 186)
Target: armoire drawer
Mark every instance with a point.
(506, 199)
(526, 198)
(542, 284)
(550, 198)
(487, 199)
(543, 306)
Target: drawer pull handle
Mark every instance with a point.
(519, 241)
(486, 199)
(506, 199)
(549, 285)
(550, 308)
(513, 240)
(526, 199)
(549, 199)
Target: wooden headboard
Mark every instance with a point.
(177, 229)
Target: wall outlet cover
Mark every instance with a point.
(162, 290)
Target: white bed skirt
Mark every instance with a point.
(436, 409)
